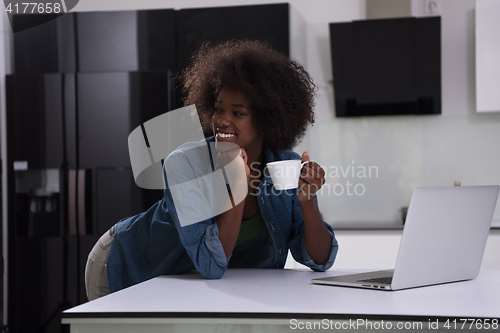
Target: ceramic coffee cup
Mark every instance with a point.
(285, 174)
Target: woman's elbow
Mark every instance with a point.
(212, 272)
(213, 276)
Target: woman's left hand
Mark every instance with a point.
(312, 177)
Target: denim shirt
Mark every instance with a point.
(154, 243)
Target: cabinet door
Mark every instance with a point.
(262, 22)
(110, 106)
(35, 118)
(103, 119)
(125, 40)
(117, 197)
(114, 197)
(43, 48)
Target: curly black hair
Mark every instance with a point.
(281, 90)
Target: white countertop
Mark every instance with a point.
(284, 293)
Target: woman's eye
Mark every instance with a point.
(217, 110)
(237, 113)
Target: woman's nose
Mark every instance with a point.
(224, 119)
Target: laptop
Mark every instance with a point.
(443, 241)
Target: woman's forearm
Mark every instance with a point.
(229, 224)
(317, 239)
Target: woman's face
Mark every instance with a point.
(233, 121)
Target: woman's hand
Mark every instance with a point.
(227, 157)
(235, 162)
(312, 177)
(245, 159)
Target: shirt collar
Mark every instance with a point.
(268, 157)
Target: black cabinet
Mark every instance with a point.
(260, 22)
(111, 105)
(103, 119)
(146, 40)
(45, 48)
(125, 40)
(34, 113)
(95, 41)
(59, 123)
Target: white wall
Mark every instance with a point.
(410, 151)
(378, 249)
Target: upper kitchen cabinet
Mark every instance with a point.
(96, 42)
(44, 48)
(145, 40)
(125, 40)
(261, 22)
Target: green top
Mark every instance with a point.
(251, 228)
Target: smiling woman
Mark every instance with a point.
(258, 103)
(280, 90)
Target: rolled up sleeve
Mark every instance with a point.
(308, 261)
(297, 242)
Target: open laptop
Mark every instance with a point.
(443, 240)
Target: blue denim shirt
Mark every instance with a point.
(153, 243)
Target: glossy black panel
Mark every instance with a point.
(125, 40)
(107, 41)
(24, 9)
(35, 118)
(35, 49)
(387, 67)
(26, 288)
(156, 37)
(119, 185)
(110, 106)
(151, 94)
(261, 22)
(428, 46)
(103, 119)
(45, 48)
(69, 132)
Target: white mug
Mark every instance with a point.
(285, 174)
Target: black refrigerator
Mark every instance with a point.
(81, 83)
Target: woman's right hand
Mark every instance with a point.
(232, 162)
(237, 172)
(245, 160)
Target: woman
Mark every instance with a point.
(259, 100)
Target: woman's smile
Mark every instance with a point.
(222, 136)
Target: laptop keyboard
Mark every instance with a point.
(385, 280)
